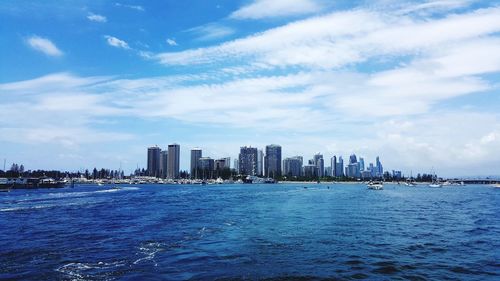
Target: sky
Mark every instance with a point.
(88, 84)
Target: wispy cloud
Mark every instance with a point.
(96, 17)
(260, 9)
(294, 104)
(344, 38)
(171, 42)
(44, 45)
(133, 7)
(369, 80)
(211, 31)
(115, 42)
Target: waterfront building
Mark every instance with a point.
(206, 167)
(163, 163)
(320, 164)
(272, 161)
(222, 163)
(352, 170)
(174, 151)
(196, 154)
(260, 162)
(366, 175)
(339, 169)
(153, 167)
(361, 164)
(236, 165)
(396, 175)
(227, 162)
(310, 170)
(379, 168)
(248, 161)
(333, 164)
(292, 166)
(328, 171)
(352, 159)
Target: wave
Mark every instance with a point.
(35, 207)
(149, 251)
(85, 271)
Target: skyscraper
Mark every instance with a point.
(333, 164)
(153, 161)
(320, 165)
(379, 169)
(206, 167)
(163, 163)
(292, 166)
(310, 170)
(227, 162)
(352, 170)
(174, 151)
(361, 164)
(196, 154)
(339, 169)
(352, 159)
(237, 165)
(272, 161)
(260, 162)
(248, 161)
(221, 163)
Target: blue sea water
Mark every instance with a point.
(281, 231)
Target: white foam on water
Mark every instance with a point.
(46, 200)
(49, 204)
(149, 250)
(130, 188)
(80, 270)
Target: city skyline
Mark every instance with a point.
(92, 83)
(252, 161)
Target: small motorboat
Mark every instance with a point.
(375, 185)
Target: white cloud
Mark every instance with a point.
(171, 42)
(343, 38)
(115, 42)
(96, 17)
(133, 7)
(44, 45)
(436, 6)
(299, 108)
(260, 9)
(369, 81)
(211, 31)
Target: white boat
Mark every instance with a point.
(410, 183)
(435, 182)
(375, 185)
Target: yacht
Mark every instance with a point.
(375, 185)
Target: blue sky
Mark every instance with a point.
(94, 83)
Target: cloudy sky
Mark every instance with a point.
(94, 83)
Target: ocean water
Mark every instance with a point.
(281, 231)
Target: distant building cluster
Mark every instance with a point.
(164, 163)
(263, 163)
